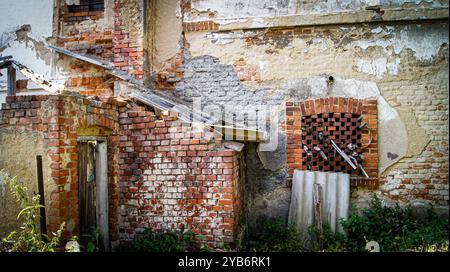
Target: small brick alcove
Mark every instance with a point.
(351, 123)
(343, 128)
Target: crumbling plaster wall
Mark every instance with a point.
(35, 19)
(168, 28)
(404, 65)
(87, 33)
(237, 10)
(18, 151)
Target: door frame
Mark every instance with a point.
(101, 183)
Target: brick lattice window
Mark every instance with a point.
(88, 6)
(345, 121)
(317, 131)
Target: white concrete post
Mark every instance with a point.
(102, 194)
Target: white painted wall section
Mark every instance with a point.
(39, 15)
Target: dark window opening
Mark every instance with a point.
(88, 5)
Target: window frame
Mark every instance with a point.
(87, 6)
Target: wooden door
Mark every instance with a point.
(93, 192)
(87, 190)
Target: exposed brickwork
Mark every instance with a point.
(247, 72)
(171, 74)
(91, 85)
(90, 34)
(128, 50)
(423, 177)
(343, 128)
(86, 33)
(58, 119)
(173, 178)
(296, 56)
(200, 26)
(369, 140)
(109, 39)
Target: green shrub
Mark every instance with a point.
(274, 236)
(151, 241)
(393, 228)
(90, 242)
(27, 238)
(332, 242)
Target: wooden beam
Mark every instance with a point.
(45, 84)
(5, 58)
(81, 57)
(241, 134)
(40, 176)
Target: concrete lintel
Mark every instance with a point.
(350, 17)
(91, 138)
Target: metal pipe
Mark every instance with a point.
(343, 155)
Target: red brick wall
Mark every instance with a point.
(162, 176)
(366, 108)
(171, 180)
(171, 73)
(58, 119)
(87, 33)
(89, 85)
(109, 39)
(200, 26)
(128, 49)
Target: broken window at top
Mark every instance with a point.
(87, 5)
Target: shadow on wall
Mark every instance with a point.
(267, 192)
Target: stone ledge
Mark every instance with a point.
(349, 17)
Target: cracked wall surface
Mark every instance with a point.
(239, 9)
(238, 53)
(22, 37)
(18, 152)
(401, 64)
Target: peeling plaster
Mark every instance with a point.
(18, 151)
(168, 32)
(418, 139)
(378, 67)
(26, 45)
(424, 40)
(237, 10)
(132, 14)
(376, 52)
(392, 131)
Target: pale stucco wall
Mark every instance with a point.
(18, 151)
(402, 62)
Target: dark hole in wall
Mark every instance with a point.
(87, 5)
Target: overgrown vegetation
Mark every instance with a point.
(27, 238)
(90, 242)
(274, 236)
(393, 228)
(151, 241)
